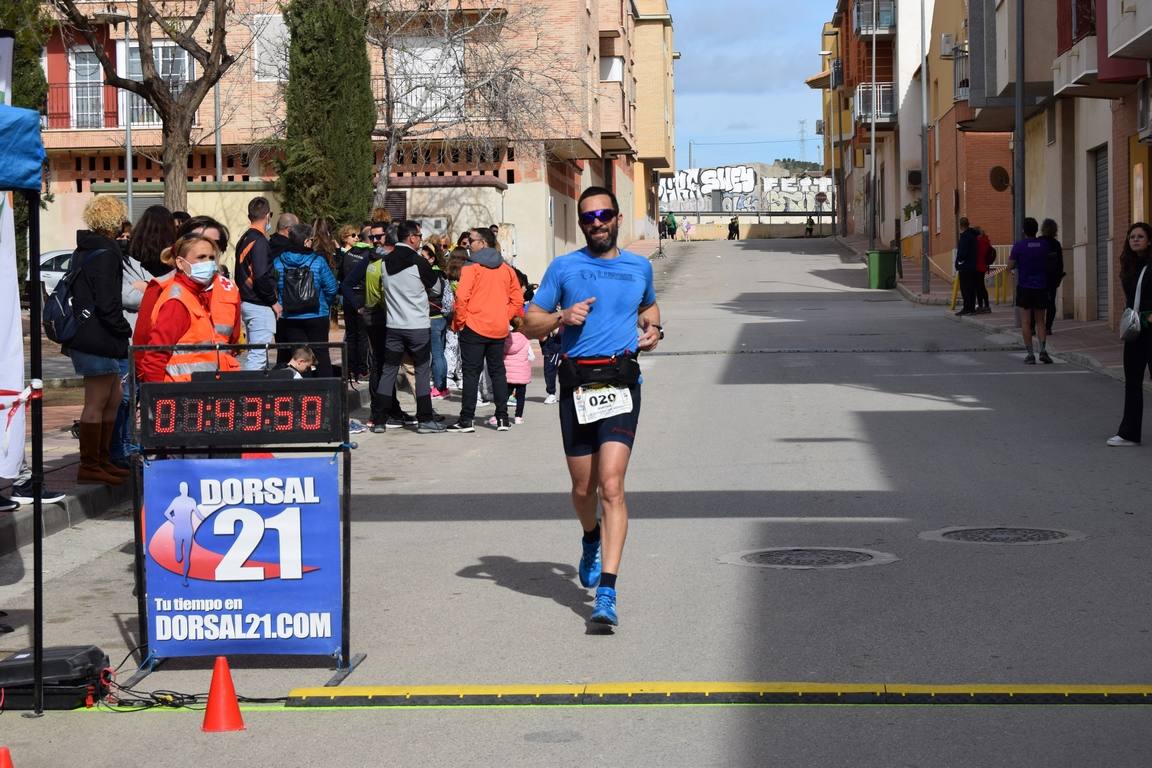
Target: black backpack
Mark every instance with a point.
(300, 295)
(62, 316)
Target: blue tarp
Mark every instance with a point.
(21, 150)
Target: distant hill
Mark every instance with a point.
(796, 166)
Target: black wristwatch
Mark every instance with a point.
(661, 329)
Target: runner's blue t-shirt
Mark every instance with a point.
(621, 286)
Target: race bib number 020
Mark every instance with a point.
(600, 402)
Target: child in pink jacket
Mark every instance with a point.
(518, 359)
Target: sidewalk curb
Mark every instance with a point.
(89, 501)
(915, 298)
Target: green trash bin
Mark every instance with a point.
(882, 266)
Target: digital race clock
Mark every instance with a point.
(239, 413)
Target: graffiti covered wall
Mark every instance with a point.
(742, 189)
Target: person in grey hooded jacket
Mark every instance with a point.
(407, 280)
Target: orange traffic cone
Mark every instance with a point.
(5, 758)
(223, 711)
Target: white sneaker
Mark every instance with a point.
(550, 400)
(1119, 442)
(519, 419)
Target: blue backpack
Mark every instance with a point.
(62, 318)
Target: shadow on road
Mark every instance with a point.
(554, 581)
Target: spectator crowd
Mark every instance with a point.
(427, 314)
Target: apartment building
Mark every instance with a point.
(1088, 128)
(860, 110)
(618, 76)
(970, 160)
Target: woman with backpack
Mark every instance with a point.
(307, 289)
(101, 341)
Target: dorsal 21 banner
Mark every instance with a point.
(242, 556)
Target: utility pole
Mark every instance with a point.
(925, 236)
(872, 136)
(219, 151)
(1018, 131)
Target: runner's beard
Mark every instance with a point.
(603, 246)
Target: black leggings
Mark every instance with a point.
(521, 392)
(1137, 360)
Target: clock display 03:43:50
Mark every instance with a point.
(245, 413)
(240, 413)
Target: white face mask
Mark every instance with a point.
(202, 271)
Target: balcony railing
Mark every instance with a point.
(960, 75)
(98, 106)
(884, 13)
(424, 98)
(881, 100)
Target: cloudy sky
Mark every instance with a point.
(741, 78)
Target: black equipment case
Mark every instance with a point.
(73, 677)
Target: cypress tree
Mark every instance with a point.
(327, 165)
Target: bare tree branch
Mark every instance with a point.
(175, 103)
(475, 79)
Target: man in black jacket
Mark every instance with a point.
(259, 305)
(967, 268)
(353, 265)
(278, 242)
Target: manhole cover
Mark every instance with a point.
(809, 557)
(1003, 535)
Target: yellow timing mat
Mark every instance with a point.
(702, 693)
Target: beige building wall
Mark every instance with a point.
(527, 205)
(654, 50)
(1092, 123)
(1058, 185)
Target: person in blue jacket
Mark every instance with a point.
(304, 324)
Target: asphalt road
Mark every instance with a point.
(788, 407)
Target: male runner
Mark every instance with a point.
(604, 300)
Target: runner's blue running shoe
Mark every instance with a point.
(590, 564)
(605, 610)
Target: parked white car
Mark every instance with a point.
(53, 266)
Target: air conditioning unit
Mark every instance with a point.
(914, 179)
(947, 45)
(1144, 111)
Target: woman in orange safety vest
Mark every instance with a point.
(196, 306)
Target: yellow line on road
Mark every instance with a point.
(719, 692)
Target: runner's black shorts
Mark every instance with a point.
(586, 439)
(1031, 298)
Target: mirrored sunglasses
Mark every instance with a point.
(605, 215)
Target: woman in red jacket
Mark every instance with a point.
(185, 314)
